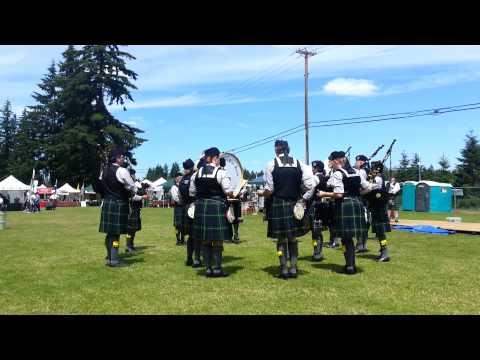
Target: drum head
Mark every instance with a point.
(235, 171)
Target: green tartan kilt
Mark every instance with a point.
(380, 218)
(187, 223)
(321, 212)
(134, 221)
(349, 218)
(281, 222)
(114, 217)
(210, 224)
(394, 204)
(178, 217)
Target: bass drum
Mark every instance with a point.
(234, 169)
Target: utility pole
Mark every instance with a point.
(306, 54)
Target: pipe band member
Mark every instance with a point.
(319, 210)
(210, 186)
(350, 219)
(193, 246)
(284, 177)
(118, 187)
(134, 217)
(394, 192)
(362, 168)
(178, 210)
(378, 206)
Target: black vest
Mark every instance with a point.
(113, 189)
(207, 185)
(322, 185)
(184, 187)
(351, 183)
(287, 180)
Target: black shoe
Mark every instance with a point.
(350, 270)
(209, 272)
(130, 250)
(383, 258)
(189, 262)
(220, 273)
(179, 243)
(197, 264)
(318, 257)
(292, 273)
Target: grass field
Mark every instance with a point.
(53, 263)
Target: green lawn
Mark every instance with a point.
(466, 215)
(53, 263)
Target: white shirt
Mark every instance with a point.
(336, 180)
(1, 200)
(394, 188)
(308, 195)
(222, 178)
(308, 181)
(175, 194)
(124, 177)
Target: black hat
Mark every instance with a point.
(361, 158)
(336, 155)
(213, 151)
(201, 163)
(281, 143)
(318, 164)
(115, 153)
(188, 164)
(222, 162)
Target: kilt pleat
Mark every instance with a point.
(210, 223)
(134, 221)
(114, 217)
(282, 223)
(187, 223)
(178, 216)
(380, 221)
(349, 218)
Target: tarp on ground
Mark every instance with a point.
(423, 229)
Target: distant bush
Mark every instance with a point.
(469, 203)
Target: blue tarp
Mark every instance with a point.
(423, 229)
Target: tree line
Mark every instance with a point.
(66, 135)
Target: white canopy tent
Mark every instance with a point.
(158, 182)
(66, 190)
(13, 188)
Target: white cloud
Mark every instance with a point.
(350, 87)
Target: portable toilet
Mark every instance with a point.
(408, 195)
(432, 196)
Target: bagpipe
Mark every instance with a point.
(379, 196)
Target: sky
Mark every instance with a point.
(190, 98)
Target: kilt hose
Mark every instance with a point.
(114, 217)
(134, 223)
(380, 221)
(349, 218)
(178, 216)
(281, 222)
(210, 224)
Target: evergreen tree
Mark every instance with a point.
(8, 132)
(402, 173)
(174, 169)
(468, 169)
(165, 171)
(444, 163)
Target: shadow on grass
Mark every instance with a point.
(274, 270)
(367, 256)
(131, 261)
(336, 268)
(229, 269)
(228, 258)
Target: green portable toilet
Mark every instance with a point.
(409, 195)
(433, 196)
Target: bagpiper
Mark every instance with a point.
(210, 186)
(178, 210)
(284, 178)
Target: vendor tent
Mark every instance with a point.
(259, 180)
(158, 182)
(12, 188)
(67, 189)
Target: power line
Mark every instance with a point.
(340, 122)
